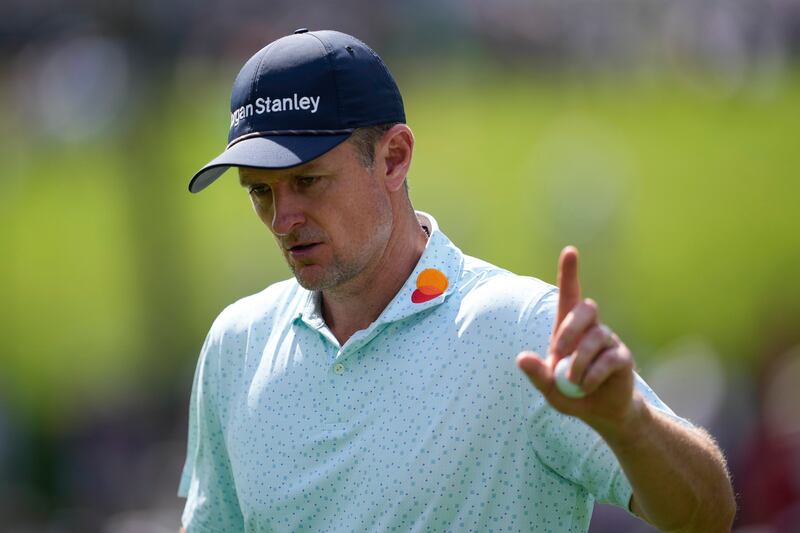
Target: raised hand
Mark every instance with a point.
(601, 364)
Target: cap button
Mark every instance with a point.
(301, 30)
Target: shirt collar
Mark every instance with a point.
(431, 282)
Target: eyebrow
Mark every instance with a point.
(243, 180)
(300, 170)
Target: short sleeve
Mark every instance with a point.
(567, 445)
(207, 481)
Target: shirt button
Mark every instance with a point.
(338, 368)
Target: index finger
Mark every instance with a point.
(569, 288)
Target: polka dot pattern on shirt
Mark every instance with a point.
(420, 422)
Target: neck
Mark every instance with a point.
(358, 303)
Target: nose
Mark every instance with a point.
(287, 211)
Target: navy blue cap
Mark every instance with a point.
(301, 96)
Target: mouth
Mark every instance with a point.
(303, 250)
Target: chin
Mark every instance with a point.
(318, 278)
(309, 285)
(311, 277)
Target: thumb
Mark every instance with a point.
(537, 370)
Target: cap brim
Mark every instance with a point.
(280, 151)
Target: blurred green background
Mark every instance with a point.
(677, 180)
(684, 206)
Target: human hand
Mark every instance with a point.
(602, 365)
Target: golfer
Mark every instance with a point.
(395, 383)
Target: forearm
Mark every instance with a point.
(678, 475)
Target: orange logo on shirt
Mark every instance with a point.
(430, 284)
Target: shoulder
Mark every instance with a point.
(278, 300)
(487, 288)
(226, 345)
(501, 312)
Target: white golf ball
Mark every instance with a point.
(567, 388)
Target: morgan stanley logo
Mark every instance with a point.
(275, 105)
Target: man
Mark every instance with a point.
(376, 389)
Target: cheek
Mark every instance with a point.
(365, 218)
(264, 213)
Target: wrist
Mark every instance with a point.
(628, 428)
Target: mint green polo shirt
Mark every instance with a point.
(420, 422)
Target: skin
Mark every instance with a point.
(366, 242)
(366, 234)
(679, 478)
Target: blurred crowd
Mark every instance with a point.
(76, 67)
(81, 72)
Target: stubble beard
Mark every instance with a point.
(342, 270)
(335, 274)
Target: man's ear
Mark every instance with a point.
(393, 152)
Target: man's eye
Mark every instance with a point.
(259, 190)
(307, 181)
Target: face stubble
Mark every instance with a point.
(354, 250)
